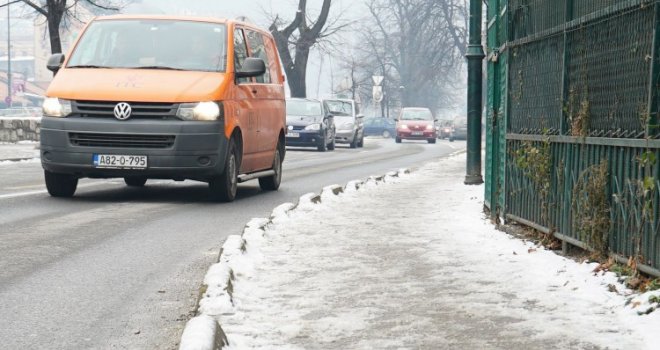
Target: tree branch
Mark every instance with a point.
(36, 7)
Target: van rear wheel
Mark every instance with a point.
(60, 185)
(224, 187)
(272, 183)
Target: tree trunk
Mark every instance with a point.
(56, 10)
(54, 35)
(298, 81)
(296, 69)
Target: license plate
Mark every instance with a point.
(417, 133)
(293, 134)
(119, 161)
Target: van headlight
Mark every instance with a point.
(207, 111)
(55, 107)
(315, 126)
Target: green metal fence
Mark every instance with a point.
(572, 143)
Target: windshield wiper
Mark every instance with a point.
(157, 67)
(87, 66)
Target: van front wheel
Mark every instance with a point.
(224, 187)
(272, 183)
(60, 185)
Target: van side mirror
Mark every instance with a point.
(55, 62)
(252, 67)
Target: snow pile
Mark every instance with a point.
(409, 261)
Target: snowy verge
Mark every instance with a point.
(204, 332)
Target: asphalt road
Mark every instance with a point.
(120, 268)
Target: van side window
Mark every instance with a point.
(256, 43)
(240, 52)
(272, 64)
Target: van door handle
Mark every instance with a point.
(254, 91)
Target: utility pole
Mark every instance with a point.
(475, 55)
(9, 87)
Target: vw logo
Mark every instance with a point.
(290, 127)
(122, 111)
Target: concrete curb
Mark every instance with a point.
(204, 332)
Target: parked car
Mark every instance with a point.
(379, 126)
(444, 129)
(416, 123)
(348, 120)
(309, 124)
(163, 97)
(459, 129)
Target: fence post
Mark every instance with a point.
(652, 108)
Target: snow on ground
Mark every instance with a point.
(10, 162)
(411, 263)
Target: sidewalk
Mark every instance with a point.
(407, 263)
(18, 151)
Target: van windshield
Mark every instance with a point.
(152, 44)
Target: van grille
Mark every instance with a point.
(105, 109)
(121, 140)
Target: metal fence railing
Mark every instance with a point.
(572, 129)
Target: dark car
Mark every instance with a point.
(379, 126)
(309, 124)
(459, 130)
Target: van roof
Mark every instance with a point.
(174, 18)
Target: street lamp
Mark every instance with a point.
(475, 56)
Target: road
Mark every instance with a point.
(118, 267)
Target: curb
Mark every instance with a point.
(204, 332)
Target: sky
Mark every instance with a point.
(323, 71)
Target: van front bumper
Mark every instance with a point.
(174, 149)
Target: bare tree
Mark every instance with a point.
(55, 11)
(295, 40)
(417, 45)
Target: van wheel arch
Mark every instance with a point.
(282, 143)
(237, 137)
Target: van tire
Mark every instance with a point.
(361, 142)
(135, 181)
(60, 185)
(223, 188)
(431, 140)
(272, 183)
(397, 139)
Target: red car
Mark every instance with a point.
(416, 124)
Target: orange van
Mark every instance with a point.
(162, 97)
